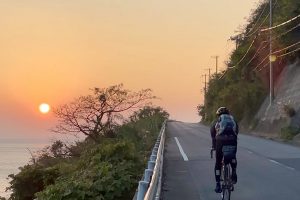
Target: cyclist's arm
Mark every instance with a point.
(237, 128)
(213, 135)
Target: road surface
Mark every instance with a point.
(267, 170)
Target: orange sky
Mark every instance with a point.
(54, 50)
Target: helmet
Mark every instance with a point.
(222, 110)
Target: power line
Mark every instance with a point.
(261, 62)
(284, 33)
(261, 47)
(221, 77)
(287, 31)
(246, 34)
(264, 46)
(285, 48)
(278, 36)
(277, 51)
(288, 52)
(258, 28)
(280, 56)
(244, 54)
(279, 25)
(264, 66)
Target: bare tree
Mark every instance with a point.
(95, 115)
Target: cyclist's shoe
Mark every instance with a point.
(234, 177)
(218, 188)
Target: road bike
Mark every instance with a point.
(226, 182)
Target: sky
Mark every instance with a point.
(55, 50)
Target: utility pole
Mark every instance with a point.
(236, 39)
(216, 57)
(208, 74)
(270, 60)
(204, 85)
(204, 99)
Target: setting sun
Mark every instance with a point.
(44, 108)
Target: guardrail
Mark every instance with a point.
(150, 186)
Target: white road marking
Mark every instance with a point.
(273, 161)
(250, 152)
(185, 158)
(291, 168)
(278, 163)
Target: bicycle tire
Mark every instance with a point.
(226, 193)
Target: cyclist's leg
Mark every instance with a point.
(218, 165)
(219, 157)
(233, 163)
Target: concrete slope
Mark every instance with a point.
(266, 169)
(272, 119)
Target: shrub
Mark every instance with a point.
(287, 133)
(107, 171)
(31, 179)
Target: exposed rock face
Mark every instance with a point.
(296, 139)
(287, 92)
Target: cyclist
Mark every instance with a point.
(224, 132)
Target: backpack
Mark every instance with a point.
(226, 125)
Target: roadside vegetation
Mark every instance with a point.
(108, 163)
(289, 132)
(245, 83)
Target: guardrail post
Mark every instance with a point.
(142, 189)
(148, 174)
(151, 165)
(153, 157)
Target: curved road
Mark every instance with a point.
(266, 169)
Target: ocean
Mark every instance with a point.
(13, 156)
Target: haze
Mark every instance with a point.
(52, 51)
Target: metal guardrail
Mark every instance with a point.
(150, 186)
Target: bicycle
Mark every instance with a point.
(226, 182)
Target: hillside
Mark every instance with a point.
(244, 86)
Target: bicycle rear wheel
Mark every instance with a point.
(226, 193)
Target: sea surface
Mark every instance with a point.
(13, 156)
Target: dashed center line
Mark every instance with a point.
(185, 158)
(278, 163)
(273, 161)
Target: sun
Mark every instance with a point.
(44, 108)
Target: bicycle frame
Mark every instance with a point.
(227, 185)
(226, 182)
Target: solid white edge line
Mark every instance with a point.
(185, 158)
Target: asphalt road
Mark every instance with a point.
(267, 170)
